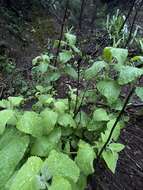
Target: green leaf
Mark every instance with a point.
(116, 147)
(129, 74)
(110, 89)
(100, 115)
(41, 63)
(45, 99)
(26, 176)
(91, 96)
(60, 106)
(40, 88)
(65, 56)
(71, 71)
(106, 133)
(66, 120)
(45, 174)
(62, 43)
(4, 104)
(139, 92)
(76, 50)
(43, 145)
(16, 116)
(16, 101)
(60, 164)
(82, 182)
(82, 119)
(49, 120)
(9, 134)
(119, 54)
(95, 126)
(107, 55)
(10, 156)
(116, 132)
(67, 131)
(118, 105)
(85, 157)
(43, 68)
(67, 148)
(110, 159)
(5, 116)
(30, 123)
(44, 58)
(10, 181)
(60, 183)
(92, 72)
(39, 183)
(53, 76)
(137, 59)
(71, 39)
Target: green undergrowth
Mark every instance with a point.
(53, 144)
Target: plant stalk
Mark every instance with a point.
(81, 13)
(97, 160)
(128, 15)
(61, 32)
(115, 124)
(133, 23)
(78, 84)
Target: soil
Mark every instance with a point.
(23, 45)
(129, 171)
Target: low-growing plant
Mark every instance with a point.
(139, 42)
(113, 25)
(6, 65)
(118, 30)
(55, 144)
(45, 70)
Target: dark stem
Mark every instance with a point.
(62, 31)
(128, 15)
(69, 102)
(97, 160)
(81, 13)
(81, 103)
(78, 84)
(133, 23)
(94, 14)
(131, 30)
(114, 126)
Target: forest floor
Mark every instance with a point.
(31, 39)
(129, 172)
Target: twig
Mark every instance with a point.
(114, 126)
(1, 92)
(132, 26)
(78, 82)
(135, 105)
(128, 15)
(131, 30)
(82, 99)
(61, 33)
(96, 161)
